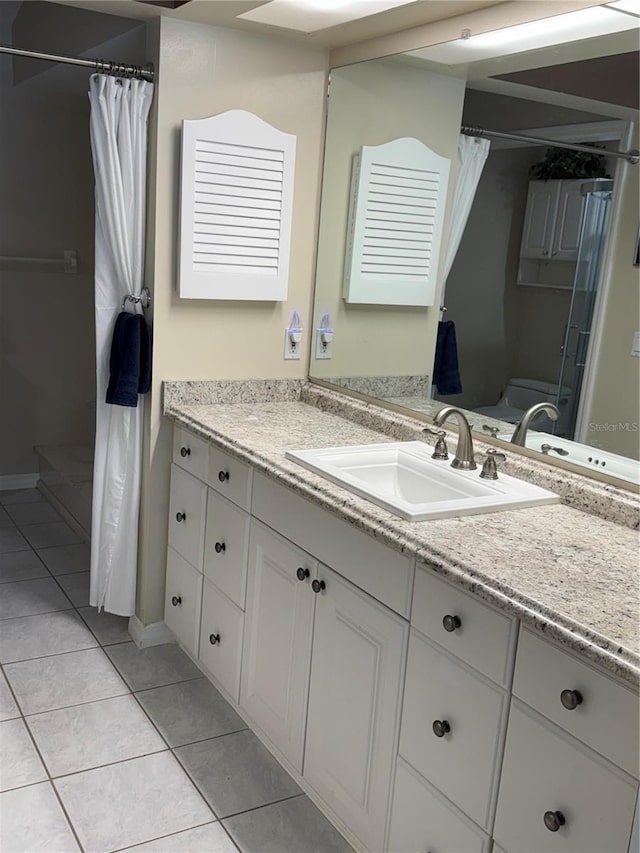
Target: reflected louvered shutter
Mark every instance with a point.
(236, 203)
(398, 196)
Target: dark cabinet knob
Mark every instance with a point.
(441, 728)
(554, 820)
(176, 600)
(571, 699)
(318, 586)
(223, 475)
(302, 574)
(450, 623)
(185, 451)
(220, 547)
(214, 639)
(181, 516)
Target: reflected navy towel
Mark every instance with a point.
(130, 361)
(446, 374)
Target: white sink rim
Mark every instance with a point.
(490, 495)
(621, 467)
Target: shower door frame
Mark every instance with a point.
(604, 286)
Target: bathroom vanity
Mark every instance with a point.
(462, 684)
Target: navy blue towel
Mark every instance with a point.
(130, 361)
(446, 374)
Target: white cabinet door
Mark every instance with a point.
(225, 550)
(187, 509)
(354, 706)
(453, 723)
(277, 647)
(422, 819)
(183, 593)
(558, 796)
(566, 234)
(221, 629)
(539, 219)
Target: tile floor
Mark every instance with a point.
(105, 747)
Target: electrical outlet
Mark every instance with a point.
(324, 344)
(292, 348)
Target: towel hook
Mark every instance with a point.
(144, 299)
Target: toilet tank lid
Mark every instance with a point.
(548, 388)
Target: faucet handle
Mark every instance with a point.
(440, 451)
(492, 430)
(547, 448)
(489, 468)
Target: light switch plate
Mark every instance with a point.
(635, 348)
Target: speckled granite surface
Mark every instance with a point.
(569, 574)
(403, 387)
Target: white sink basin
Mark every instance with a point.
(402, 478)
(583, 454)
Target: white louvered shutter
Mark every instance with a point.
(236, 201)
(398, 196)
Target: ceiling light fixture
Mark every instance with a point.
(548, 32)
(308, 16)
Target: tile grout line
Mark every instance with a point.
(179, 832)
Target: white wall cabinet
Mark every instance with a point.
(552, 220)
(317, 665)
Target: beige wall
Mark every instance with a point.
(203, 71)
(370, 104)
(616, 397)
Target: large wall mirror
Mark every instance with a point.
(540, 287)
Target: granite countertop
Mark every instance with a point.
(569, 574)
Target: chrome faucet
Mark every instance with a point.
(464, 451)
(519, 436)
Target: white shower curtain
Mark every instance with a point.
(472, 154)
(119, 112)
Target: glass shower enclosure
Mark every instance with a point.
(577, 334)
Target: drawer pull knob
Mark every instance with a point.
(223, 475)
(450, 623)
(318, 586)
(554, 820)
(571, 699)
(185, 451)
(181, 516)
(176, 600)
(302, 574)
(441, 728)
(220, 547)
(214, 639)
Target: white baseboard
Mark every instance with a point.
(18, 481)
(155, 634)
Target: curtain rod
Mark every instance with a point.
(632, 157)
(122, 69)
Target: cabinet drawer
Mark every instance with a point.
(190, 452)
(478, 634)
(606, 719)
(221, 639)
(230, 477)
(225, 547)
(387, 575)
(187, 504)
(546, 770)
(182, 598)
(422, 819)
(462, 762)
